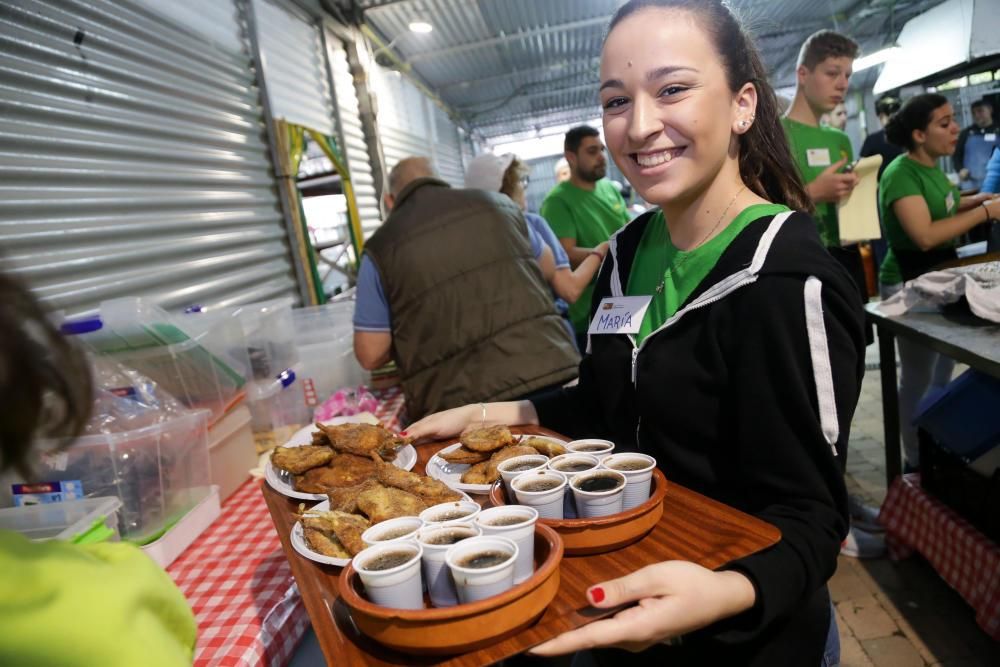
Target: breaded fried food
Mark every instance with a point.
(347, 527)
(298, 460)
(487, 439)
(548, 448)
(476, 474)
(411, 482)
(382, 503)
(325, 543)
(345, 499)
(362, 439)
(489, 471)
(462, 455)
(342, 470)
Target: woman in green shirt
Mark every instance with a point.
(65, 604)
(923, 216)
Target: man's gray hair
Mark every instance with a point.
(408, 170)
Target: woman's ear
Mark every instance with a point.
(919, 137)
(744, 108)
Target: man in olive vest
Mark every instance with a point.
(449, 289)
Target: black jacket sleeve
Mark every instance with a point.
(793, 478)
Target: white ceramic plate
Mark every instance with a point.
(281, 481)
(451, 473)
(299, 539)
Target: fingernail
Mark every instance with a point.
(402, 432)
(597, 594)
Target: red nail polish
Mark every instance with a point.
(597, 593)
(402, 433)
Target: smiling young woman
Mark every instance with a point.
(742, 373)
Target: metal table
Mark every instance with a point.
(976, 344)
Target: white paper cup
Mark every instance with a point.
(549, 502)
(591, 504)
(479, 583)
(593, 446)
(569, 502)
(521, 530)
(637, 482)
(398, 587)
(437, 576)
(538, 460)
(393, 530)
(458, 512)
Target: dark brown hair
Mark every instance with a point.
(826, 44)
(45, 386)
(512, 177)
(915, 114)
(576, 135)
(765, 160)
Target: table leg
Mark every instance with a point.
(890, 403)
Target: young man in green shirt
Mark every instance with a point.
(824, 70)
(584, 211)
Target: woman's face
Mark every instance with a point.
(940, 136)
(669, 115)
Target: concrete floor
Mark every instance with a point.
(896, 614)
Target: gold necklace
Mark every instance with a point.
(673, 268)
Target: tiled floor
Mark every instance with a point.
(897, 614)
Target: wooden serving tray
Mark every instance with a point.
(693, 528)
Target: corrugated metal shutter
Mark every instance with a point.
(294, 69)
(132, 160)
(411, 124)
(355, 148)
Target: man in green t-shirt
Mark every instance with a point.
(584, 211)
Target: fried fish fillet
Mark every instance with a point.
(463, 455)
(489, 471)
(325, 543)
(298, 460)
(363, 439)
(381, 503)
(347, 527)
(342, 470)
(411, 482)
(542, 446)
(345, 498)
(487, 439)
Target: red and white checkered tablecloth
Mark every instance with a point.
(965, 558)
(238, 582)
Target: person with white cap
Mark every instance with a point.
(508, 175)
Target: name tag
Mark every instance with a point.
(621, 315)
(991, 137)
(818, 157)
(949, 201)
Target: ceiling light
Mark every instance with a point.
(420, 26)
(876, 58)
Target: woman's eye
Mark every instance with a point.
(615, 102)
(672, 90)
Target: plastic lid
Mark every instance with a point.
(286, 377)
(196, 308)
(77, 327)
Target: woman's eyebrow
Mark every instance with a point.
(651, 75)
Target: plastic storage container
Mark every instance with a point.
(278, 405)
(324, 336)
(166, 548)
(231, 450)
(201, 366)
(78, 521)
(158, 472)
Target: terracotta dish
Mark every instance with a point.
(464, 627)
(582, 537)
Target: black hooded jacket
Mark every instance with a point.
(745, 395)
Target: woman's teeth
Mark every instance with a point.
(654, 159)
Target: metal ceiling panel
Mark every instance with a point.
(133, 160)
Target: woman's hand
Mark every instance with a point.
(675, 597)
(444, 424)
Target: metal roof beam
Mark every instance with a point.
(503, 39)
(589, 85)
